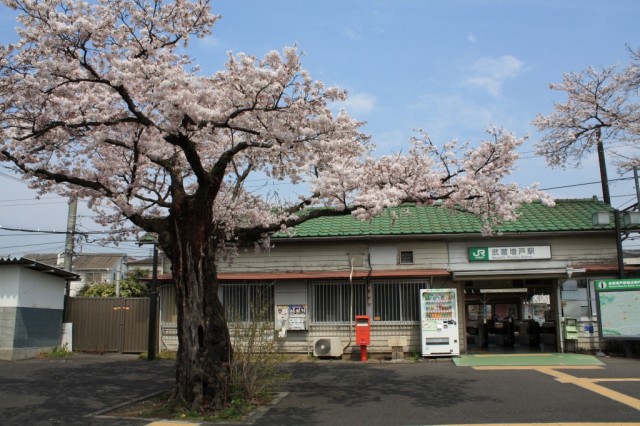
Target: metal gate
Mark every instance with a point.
(109, 324)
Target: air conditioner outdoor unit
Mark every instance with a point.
(327, 346)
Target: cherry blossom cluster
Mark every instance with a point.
(99, 101)
(601, 106)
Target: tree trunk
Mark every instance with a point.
(203, 371)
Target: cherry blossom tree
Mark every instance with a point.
(98, 101)
(598, 108)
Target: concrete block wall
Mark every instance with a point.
(7, 331)
(26, 332)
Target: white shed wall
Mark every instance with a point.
(9, 284)
(40, 290)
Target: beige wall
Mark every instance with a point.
(293, 256)
(336, 256)
(296, 256)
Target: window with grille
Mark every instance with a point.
(331, 301)
(397, 300)
(244, 302)
(406, 258)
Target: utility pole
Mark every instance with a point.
(635, 182)
(603, 168)
(153, 297)
(71, 231)
(68, 250)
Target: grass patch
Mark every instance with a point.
(160, 355)
(57, 352)
(160, 406)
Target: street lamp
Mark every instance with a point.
(153, 297)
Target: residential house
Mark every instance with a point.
(91, 267)
(146, 264)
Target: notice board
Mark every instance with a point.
(619, 308)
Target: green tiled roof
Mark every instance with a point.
(567, 215)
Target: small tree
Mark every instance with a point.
(99, 101)
(257, 353)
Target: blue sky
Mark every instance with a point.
(450, 67)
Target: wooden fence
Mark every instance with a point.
(109, 324)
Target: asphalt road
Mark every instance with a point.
(67, 391)
(438, 392)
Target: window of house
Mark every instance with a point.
(244, 302)
(330, 301)
(397, 300)
(406, 257)
(93, 277)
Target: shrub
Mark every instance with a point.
(131, 286)
(256, 358)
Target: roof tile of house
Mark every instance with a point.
(566, 216)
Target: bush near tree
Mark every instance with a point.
(131, 286)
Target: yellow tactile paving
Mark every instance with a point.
(585, 383)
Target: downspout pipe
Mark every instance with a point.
(352, 318)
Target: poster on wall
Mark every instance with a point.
(292, 317)
(619, 308)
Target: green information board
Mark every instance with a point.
(614, 285)
(619, 308)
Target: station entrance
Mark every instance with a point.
(511, 315)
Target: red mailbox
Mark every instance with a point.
(363, 330)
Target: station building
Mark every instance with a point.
(529, 286)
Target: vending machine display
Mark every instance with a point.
(439, 322)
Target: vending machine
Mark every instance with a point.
(439, 322)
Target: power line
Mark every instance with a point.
(32, 204)
(6, 228)
(30, 245)
(583, 184)
(35, 199)
(608, 146)
(30, 234)
(12, 178)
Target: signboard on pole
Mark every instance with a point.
(618, 304)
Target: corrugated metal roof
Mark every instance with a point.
(41, 267)
(566, 216)
(97, 261)
(82, 262)
(48, 258)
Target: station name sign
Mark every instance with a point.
(487, 254)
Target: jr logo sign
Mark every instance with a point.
(477, 254)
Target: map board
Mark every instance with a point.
(619, 308)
